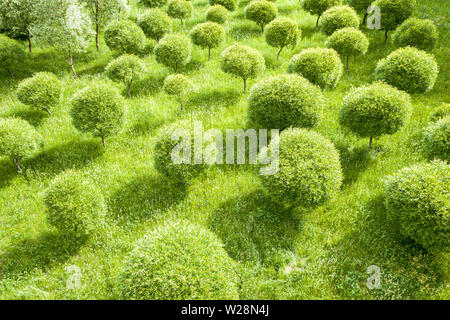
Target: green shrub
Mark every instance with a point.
(179, 9)
(18, 140)
(174, 51)
(230, 5)
(208, 35)
(11, 54)
(125, 37)
(440, 112)
(179, 86)
(42, 91)
(394, 12)
(360, 5)
(261, 11)
(98, 109)
(126, 69)
(75, 205)
(152, 3)
(155, 23)
(179, 261)
(339, 17)
(319, 6)
(419, 33)
(436, 140)
(417, 198)
(281, 33)
(321, 66)
(408, 69)
(309, 170)
(242, 61)
(217, 13)
(349, 42)
(284, 101)
(375, 110)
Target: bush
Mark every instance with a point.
(18, 140)
(261, 11)
(408, 69)
(174, 51)
(42, 91)
(98, 109)
(394, 12)
(125, 37)
(285, 101)
(374, 110)
(179, 86)
(436, 140)
(152, 3)
(360, 6)
(179, 261)
(349, 42)
(319, 6)
(418, 33)
(11, 54)
(417, 198)
(440, 112)
(126, 69)
(321, 66)
(227, 4)
(281, 33)
(339, 17)
(217, 13)
(75, 205)
(179, 9)
(309, 170)
(208, 35)
(155, 23)
(242, 61)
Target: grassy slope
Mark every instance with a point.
(285, 254)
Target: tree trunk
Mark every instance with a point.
(181, 109)
(347, 64)
(30, 46)
(278, 55)
(96, 27)
(317, 22)
(245, 85)
(365, 18)
(386, 36)
(16, 163)
(176, 69)
(103, 141)
(118, 17)
(129, 88)
(11, 73)
(370, 143)
(48, 111)
(262, 28)
(71, 63)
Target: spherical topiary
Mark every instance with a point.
(174, 51)
(42, 91)
(155, 23)
(152, 3)
(261, 12)
(126, 69)
(309, 169)
(281, 33)
(418, 199)
(208, 35)
(440, 112)
(321, 66)
(408, 69)
(436, 140)
(179, 9)
(242, 61)
(418, 33)
(217, 13)
(227, 4)
(285, 101)
(360, 5)
(18, 140)
(125, 37)
(179, 261)
(98, 109)
(393, 13)
(375, 110)
(11, 54)
(75, 205)
(349, 42)
(179, 86)
(339, 17)
(177, 164)
(319, 6)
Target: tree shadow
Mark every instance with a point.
(151, 84)
(245, 30)
(209, 98)
(354, 161)
(7, 172)
(193, 65)
(33, 116)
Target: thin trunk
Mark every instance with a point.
(262, 28)
(245, 85)
(30, 46)
(386, 36)
(16, 163)
(176, 69)
(11, 73)
(48, 111)
(71, 63)
(129, 88)
(181, 109)
(209, 53)
(317, 22)
(365, 18)
(96, 27)
(370, 143)
(103, 141)
(278, 55)
(118, 17)
(347, 64)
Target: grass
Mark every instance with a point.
(283, 253)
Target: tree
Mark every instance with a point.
(11, 54)
(179, 9)
(261, 11)
(281, 33)
(419, 33)
(126, 69)
(174, 51)
(435, 140)
(152, 3)
(179, 86)
(217, 14)
(155, 23)
(230, 5)
(319, 6)
(208, 35)
(361, 6)
(339, 17)
(125, 37)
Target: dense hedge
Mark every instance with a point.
(208, 35)
(155, 23)
(227, 4)
(435, 142)
(126, 69)
(418, 33)
(125, 37)
(261, 11)
(339, 17)
(282, 32)
(217, 13)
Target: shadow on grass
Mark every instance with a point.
(245, 31)
(33, 116)
(152, 84)
(215, 97)
(354, 161)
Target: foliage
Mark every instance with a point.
(440, 112)
(152, 3)
(419, 33)
(360, 6)
(319, 6)
(11, 53)
(125, 37)
(179, 9)
(227, 4)
(217, 13)
(349, 42)
(126, 69)
(339, 17)
(435, 142)
(174, 51)
(208, 35)
(282, 32)
(155, 23)
(179, 86)
(394, 12)
(261, 11)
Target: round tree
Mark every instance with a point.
(339, 17)
(42, 91)
(98, 109)
(285, 101)
(418, 33)
(227, 4)
(281, 33)
(217, 13)
(75, 205)
(319, 7)
(179, 261)
(174, 51)
(11, 54)
(261, 11)
(152, 3)
(435, 142)
(126, 69)
(179, 86)
(18, 140)
(375, 110)
(208, 35)
(440, 112)
(417, 198)
(349, 42)
(361, 6)
(125, 37)
(321, 66)
(309, 169)
(242, 61)
(180, 9)
(408, 69)
(155, 23)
